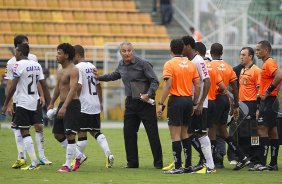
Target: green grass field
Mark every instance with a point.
(94, 171)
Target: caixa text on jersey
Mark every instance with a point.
(33, 68)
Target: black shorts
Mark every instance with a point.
(90, 122)
(222, 109)
(179, 110)
(211, 113)
(13, 125)
(267, 113)
(199, 123)
(71, 121)
(27, 118)
(252, 105)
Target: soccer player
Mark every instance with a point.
(179, 76)
(26, 75)
(67, 120)
(39, 136)
(267, 126)
(216, 86)
(91, 105)
(198, 129)
(223, 105)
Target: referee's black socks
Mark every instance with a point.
(231, 143)
(186, 144)
(177, 148)
(197, 145)
(274, 147)
(264, 143)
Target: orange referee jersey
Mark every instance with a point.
(215, 79)
(267, 71)
(249, 83)
(226, 72)
(183, 72)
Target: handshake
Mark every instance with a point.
(51, 113)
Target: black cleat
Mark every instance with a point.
(241, 164)
(188, 170)
(272, 167)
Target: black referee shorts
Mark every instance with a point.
(179, 110)
(267, 113)
(222, 109)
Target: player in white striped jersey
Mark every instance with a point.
(91, 105)
(19, 39)
(198, 133)
(26, 75)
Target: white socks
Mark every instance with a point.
(64, 144)
(70, 153)
(101, 139)
(39, 138)
(206, 149)
(29, 146)
(19, 143)
(81, 145)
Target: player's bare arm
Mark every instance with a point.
(197, 90)
(206, 87)
(166, 89)
(56, 91)
(45, 91)
(10, 94)
(234, 91)
(100, 95)
(41, 95)
(10, 109)
(276, 81)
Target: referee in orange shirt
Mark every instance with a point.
(179, 76)
(271, 77)
(249, 82)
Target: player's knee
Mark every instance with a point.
(273, 133)
(60, 137)
(96, 134)
(262, 131)
(38, 127)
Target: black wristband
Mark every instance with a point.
(270, 89)
(195, 104)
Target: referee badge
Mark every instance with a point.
(244, 81)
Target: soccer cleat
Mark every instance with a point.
(258, 167)
(73, 162)
(64, 169)
(210, 171)
(18, 164)
(30, 167)
(174, 171)
(241, 164)
(205, 170)
(188, 170)
(78, 163)
(110, 161)
(202, 171)
(44, 161)
(169, 167)
(198, 167)
(272, 167)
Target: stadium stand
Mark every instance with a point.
(86, 22)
